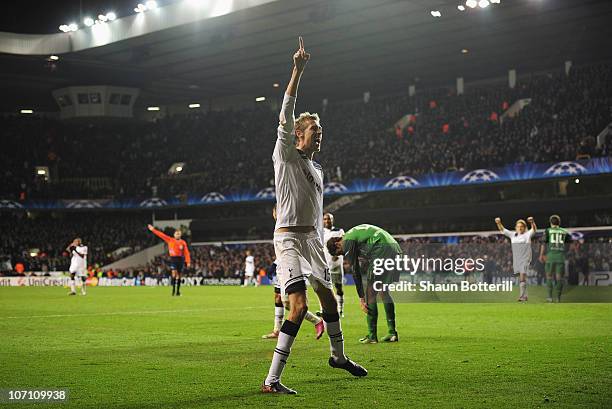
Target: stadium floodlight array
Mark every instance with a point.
(69, 27)
(149, 5)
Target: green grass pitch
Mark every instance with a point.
(141, 348)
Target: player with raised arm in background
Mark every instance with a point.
(179, 256)
(298, 236)
(335, 263)
(552, 254)
(281, 303)
(369, 243)
(78, 265)
(521, 250)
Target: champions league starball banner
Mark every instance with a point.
(515, 172)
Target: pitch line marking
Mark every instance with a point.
(128, 313)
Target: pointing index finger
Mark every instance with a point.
(301, 42)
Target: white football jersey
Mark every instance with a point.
(78, 263)
(249, 263)
(298, 180)
(336, 265)
(521, 246)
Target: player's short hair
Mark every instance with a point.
(302, 121)
(522, 222)
(555, 220)
(331, 245)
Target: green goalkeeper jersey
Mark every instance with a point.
(368, 242)
(555, 240)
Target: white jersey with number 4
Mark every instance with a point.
(78, 264)
(249, 265)
(334, 265)
(298, 179)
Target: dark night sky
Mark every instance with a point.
(45, 16)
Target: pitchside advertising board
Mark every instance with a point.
(59, 279)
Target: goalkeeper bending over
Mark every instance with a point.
(370, 243)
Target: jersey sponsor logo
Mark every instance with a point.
(312, 180)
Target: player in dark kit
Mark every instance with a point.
(554, 244)
(179, 256)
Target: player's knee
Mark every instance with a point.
(339, 289)
(299, 309)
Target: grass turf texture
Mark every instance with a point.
(141, 348)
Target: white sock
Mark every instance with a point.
(523, 288)
(310, 317)
(286, 337)
(336, 339)
(279, 313)
(83, 288)
(72, 286)
(340, 300)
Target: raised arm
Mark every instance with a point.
(300, 58)
(159, 234)
(499, 224)
(534, 228)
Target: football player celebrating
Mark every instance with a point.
(179, 256)
(298, 236)
(521, 250)
(281, 303)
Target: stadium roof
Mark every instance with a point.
(356, 45)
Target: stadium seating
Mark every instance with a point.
(131, 159)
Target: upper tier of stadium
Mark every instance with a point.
(229, 151)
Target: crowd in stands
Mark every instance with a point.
(230, 150)
(39, 244)
(228, 261)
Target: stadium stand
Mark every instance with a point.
(450, 132)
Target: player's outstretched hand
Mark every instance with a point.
(301, 57)
(497, 220)
(530, 219)
(150, 227)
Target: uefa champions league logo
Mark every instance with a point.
(479, 176)
(266, 193)
(83, 204)
(565, 168)
(334, 187)
(212, 197)
(402, 182)
(9, 204)
(577, 236)
(153, 202)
